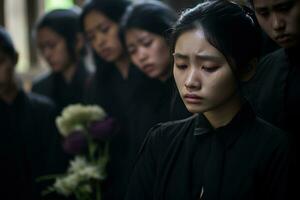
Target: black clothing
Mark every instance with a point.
(246, 159)
(160, 102)
(276, 96)
(29, 146)
(115, 94)
(55, 87)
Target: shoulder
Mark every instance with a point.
(40, 103)
(278, 55)
(274, 61)
(42, 81)
(168, 131)
(268, 134)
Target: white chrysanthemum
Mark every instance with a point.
(77, 116)
(90, 172)
(77, 164)
(67, 185)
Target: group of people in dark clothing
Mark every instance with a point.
(201, 112)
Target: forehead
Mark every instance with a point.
(47, 34)
(95, 18)
(268, 3)
(136, 34)
(194, 42)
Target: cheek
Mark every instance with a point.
(179, 79)
(223, 87)
(135, 61)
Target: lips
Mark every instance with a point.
(148, 68)
(283, 38)
(192, 98)
(105, 53)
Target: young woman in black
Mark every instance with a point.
(145, 28)
(224, 151)
(114, 85)
(60, 43)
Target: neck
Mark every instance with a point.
(223, 114)
(165, 76)
(9, 93)
(69, 73)
(122, 65)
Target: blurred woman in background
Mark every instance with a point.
(61, 43)
(145, 29)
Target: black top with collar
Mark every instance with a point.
(245, 159)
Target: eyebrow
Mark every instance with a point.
(180, 56)
(206, 57)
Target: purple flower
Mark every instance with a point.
(102, 129)
(75, 143)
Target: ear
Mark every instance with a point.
(80, 42)
(249, 71)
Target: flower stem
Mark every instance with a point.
(98, 191)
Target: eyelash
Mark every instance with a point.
(210, 69)
(205, 68)
(181, 67)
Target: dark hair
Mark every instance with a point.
(155, 17)
(6, 44)
(113, 9)
(64, 22)
(227, 26)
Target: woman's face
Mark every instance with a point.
(203, 76)
(54, 49)
(149, 52)
(102, 34)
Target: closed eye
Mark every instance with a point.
(181, 66)
(210, 69)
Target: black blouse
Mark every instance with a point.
(160, 102)
(29, 146)
(246, 159)
(275, 94)
(115, 94)
(62, 93)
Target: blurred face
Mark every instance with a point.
(54, 49)
(203, 77)
(6, 70)
(102, 34)
(280, 19)
(149, 52)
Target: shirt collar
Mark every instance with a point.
(229, 133)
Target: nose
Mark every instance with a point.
(142, 54)
(47, 52)
(193, 80)
(100, 40)
(278, 22)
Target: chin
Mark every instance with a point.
(195, 109)
(56, 69)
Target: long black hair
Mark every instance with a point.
(151, 16)
(64, 22)
(6, 44)
(227, 26)
(112, 9)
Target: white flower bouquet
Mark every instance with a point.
(85, 130)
